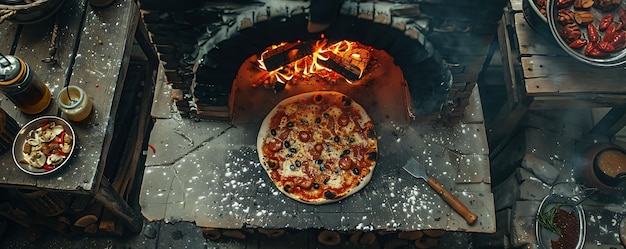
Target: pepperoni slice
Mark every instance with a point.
(343, 120)
(345, 163)
(304, 136)
(274, 145)
(303, 183)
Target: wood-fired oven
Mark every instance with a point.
(434, 48)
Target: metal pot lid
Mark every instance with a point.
(598, 58)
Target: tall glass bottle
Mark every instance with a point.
(22, 86)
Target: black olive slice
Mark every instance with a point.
(273, 132)
(272, 164)
(356, 171)
(287, 188)
(329, 195)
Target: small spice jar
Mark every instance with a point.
(74, 103)
(22, 86)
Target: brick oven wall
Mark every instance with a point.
(459, 31)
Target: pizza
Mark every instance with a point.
(318, 147)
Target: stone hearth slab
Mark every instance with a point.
(209, 173)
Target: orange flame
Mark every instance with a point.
(309, 65)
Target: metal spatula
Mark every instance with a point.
(419, 171)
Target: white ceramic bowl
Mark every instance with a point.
(20, 139)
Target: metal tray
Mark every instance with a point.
(544, 236)
(613, 59)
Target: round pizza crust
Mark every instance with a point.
(265, 130)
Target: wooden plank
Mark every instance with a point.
(516, 5)
(105, 47)
(611, 123)
(531, 42)
(577, 102)
(112, 201)
(142, 127)
(550, 75)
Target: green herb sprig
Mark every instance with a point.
(546, 219)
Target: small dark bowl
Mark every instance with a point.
(20, 139)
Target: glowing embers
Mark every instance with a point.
(300, 62)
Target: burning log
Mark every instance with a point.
(347, 65)
(288, 53)
(344, 58)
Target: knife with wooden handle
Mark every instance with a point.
(419, 171)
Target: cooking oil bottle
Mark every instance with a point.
(22, 86)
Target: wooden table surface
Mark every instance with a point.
(93, 48)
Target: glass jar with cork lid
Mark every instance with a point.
(22, 86)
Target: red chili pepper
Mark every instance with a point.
(593, 33)
(619, 41)
(620, 25)
(619, 37)
(605, 21)
(44, 123)
(48, 167)
(578, 43)
(589, 48)
(609, 33)
(592, 50)
(606, 47)
(622, 16)
(564, 3)
(62, 135)
(152, 148)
